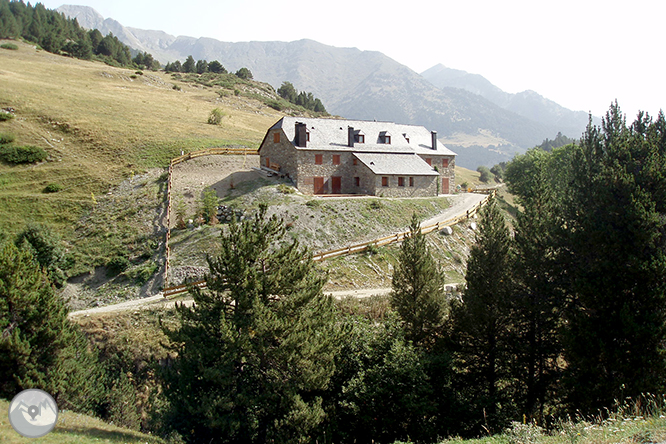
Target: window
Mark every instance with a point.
(445, 163)
(336, 159)
(276, 137)
(385, 137)
(355, 161)
(357, 181)
(411, 181)
(359, 138)
(268, 163)
(401, 181)
(384, 181)
(319, 159)
(429, 161)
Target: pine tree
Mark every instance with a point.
(482, 325)
(202, 67)
(39, 346)
(616, 262)
(418, 288)
(190, 65)
(257, 345)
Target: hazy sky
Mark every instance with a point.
(583, 54)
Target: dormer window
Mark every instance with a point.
(406, 136)
(385, 137)
(359, 137)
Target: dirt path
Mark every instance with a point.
(159, 301)
(460, 203)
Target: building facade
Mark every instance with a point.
(328, 156)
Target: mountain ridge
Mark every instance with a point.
(366, 85)
(528, 103)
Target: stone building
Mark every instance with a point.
(328, 156)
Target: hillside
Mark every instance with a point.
(75, 428)
(102, 127)
(110, 133)
(352, 83)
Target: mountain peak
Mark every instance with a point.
(87, 16)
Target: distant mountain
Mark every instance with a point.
(528, 103)
(355, 84)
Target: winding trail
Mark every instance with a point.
(460, 204)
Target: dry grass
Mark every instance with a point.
(74, 428)
(100, 126)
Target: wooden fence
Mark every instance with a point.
(175, 161)
(357, 248)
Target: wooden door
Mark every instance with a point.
(336, 184)
(445, 185)
(319, 185)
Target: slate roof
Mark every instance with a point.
(332, 134)
(396, 164)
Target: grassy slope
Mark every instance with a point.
(100, 126)
(74, 428)
(103, 127)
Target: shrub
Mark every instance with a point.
(286, 189)
(485, 174)
(143, 272)
(4, 115)
(176, 87)
(314, 203)
(375, 205)
(52, 188)
(22, 154)
(215, 117)
(10, 46)
(6, 139)
(133, 77)
(117, 265)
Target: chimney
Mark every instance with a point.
(301, 138)
(434, 139)
(350, 136)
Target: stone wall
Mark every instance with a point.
(299, 165)
(280, 156)
(424, 186)
(444, 172)
(346, 170)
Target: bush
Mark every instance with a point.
(52, 188)
(375, 205)
(22, 154)
(286, 189)
(485, 174)
(10, 46)
(117, 265)
(143, 272)
(4, 115)
(6, 139)
(215, 117)
(314, 203)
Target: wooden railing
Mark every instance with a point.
(358, 248)
(176, 161)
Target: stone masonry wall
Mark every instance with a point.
(448, 172)
(424, 186)
(281, 155)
